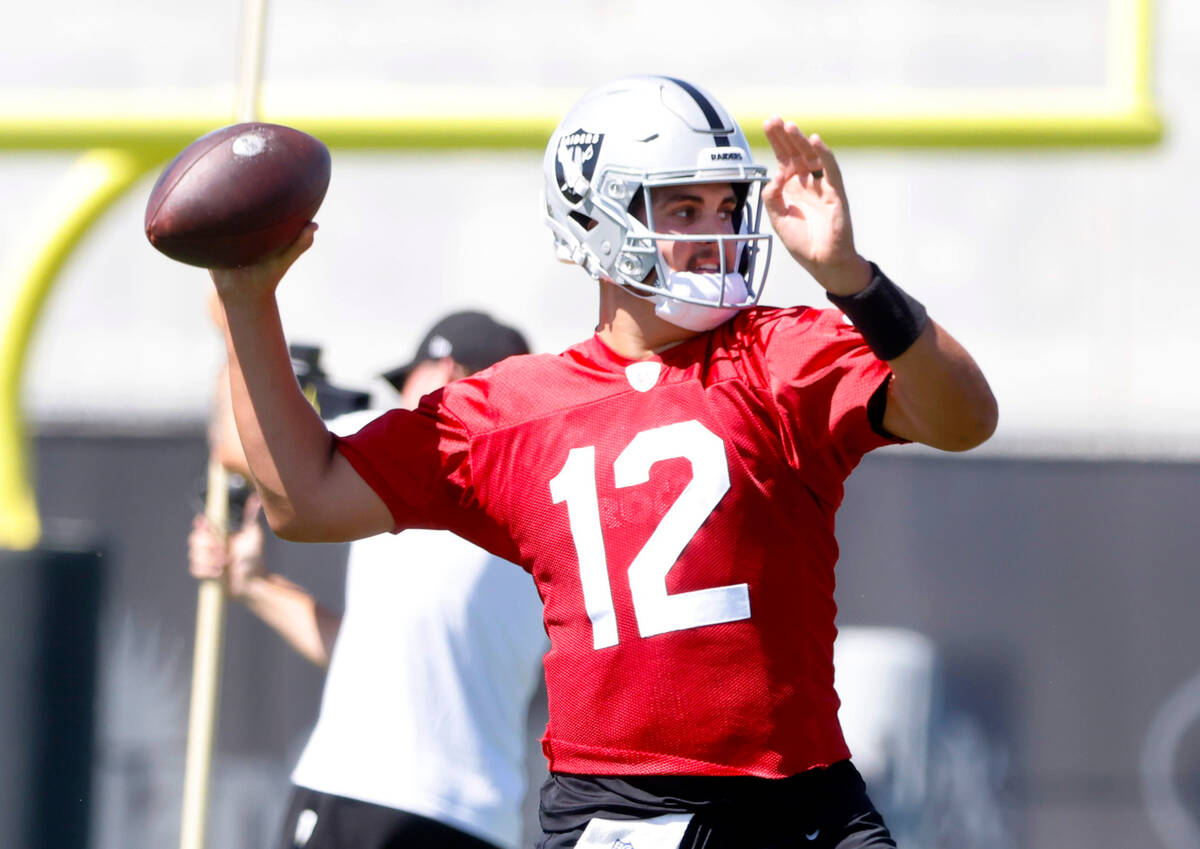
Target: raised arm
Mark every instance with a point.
(938, 395)
(310, 492)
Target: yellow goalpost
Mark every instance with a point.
(122, 146)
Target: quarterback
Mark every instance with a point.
(670, 482)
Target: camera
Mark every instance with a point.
(329, 401)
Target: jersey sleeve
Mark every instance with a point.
(416, 461)
(419, 463)
(823, 379)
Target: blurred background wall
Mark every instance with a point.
(1051, 575)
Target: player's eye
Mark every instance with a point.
(687, 211)
(674, 215)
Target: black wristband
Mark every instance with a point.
(889, 318)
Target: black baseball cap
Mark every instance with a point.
(471, 338)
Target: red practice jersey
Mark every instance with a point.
(677, 515)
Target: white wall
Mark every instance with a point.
(1066, 272)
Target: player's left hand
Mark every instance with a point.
(806, 201)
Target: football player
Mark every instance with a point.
(670, 482)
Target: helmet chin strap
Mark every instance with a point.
(712, 287)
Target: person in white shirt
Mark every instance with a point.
(421, 735)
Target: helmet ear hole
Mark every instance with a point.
(583, 221)
(637, 206)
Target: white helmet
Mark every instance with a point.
(629, 136)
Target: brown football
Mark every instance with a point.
(237, 195)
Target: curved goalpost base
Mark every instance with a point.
(90, 187)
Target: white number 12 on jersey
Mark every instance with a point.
(657, 610)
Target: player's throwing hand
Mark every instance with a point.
(262, 278)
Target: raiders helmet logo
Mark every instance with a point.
(576, 162)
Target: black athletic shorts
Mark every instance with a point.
(820, 809)
(323, 821)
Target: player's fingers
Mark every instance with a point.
(303, 242)
(776, 137)
(283, 261)
(794, 151)
(801, 147)
(783, 143)
(813, 165)
(266, 273)
(796, 143)
(775, 203)
(828, 162)
(772, 193)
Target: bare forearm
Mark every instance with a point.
(305, 625)
(309, 492)
(939, 396)
(286, 444)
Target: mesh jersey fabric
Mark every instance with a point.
(604, 480)
(429, 682)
